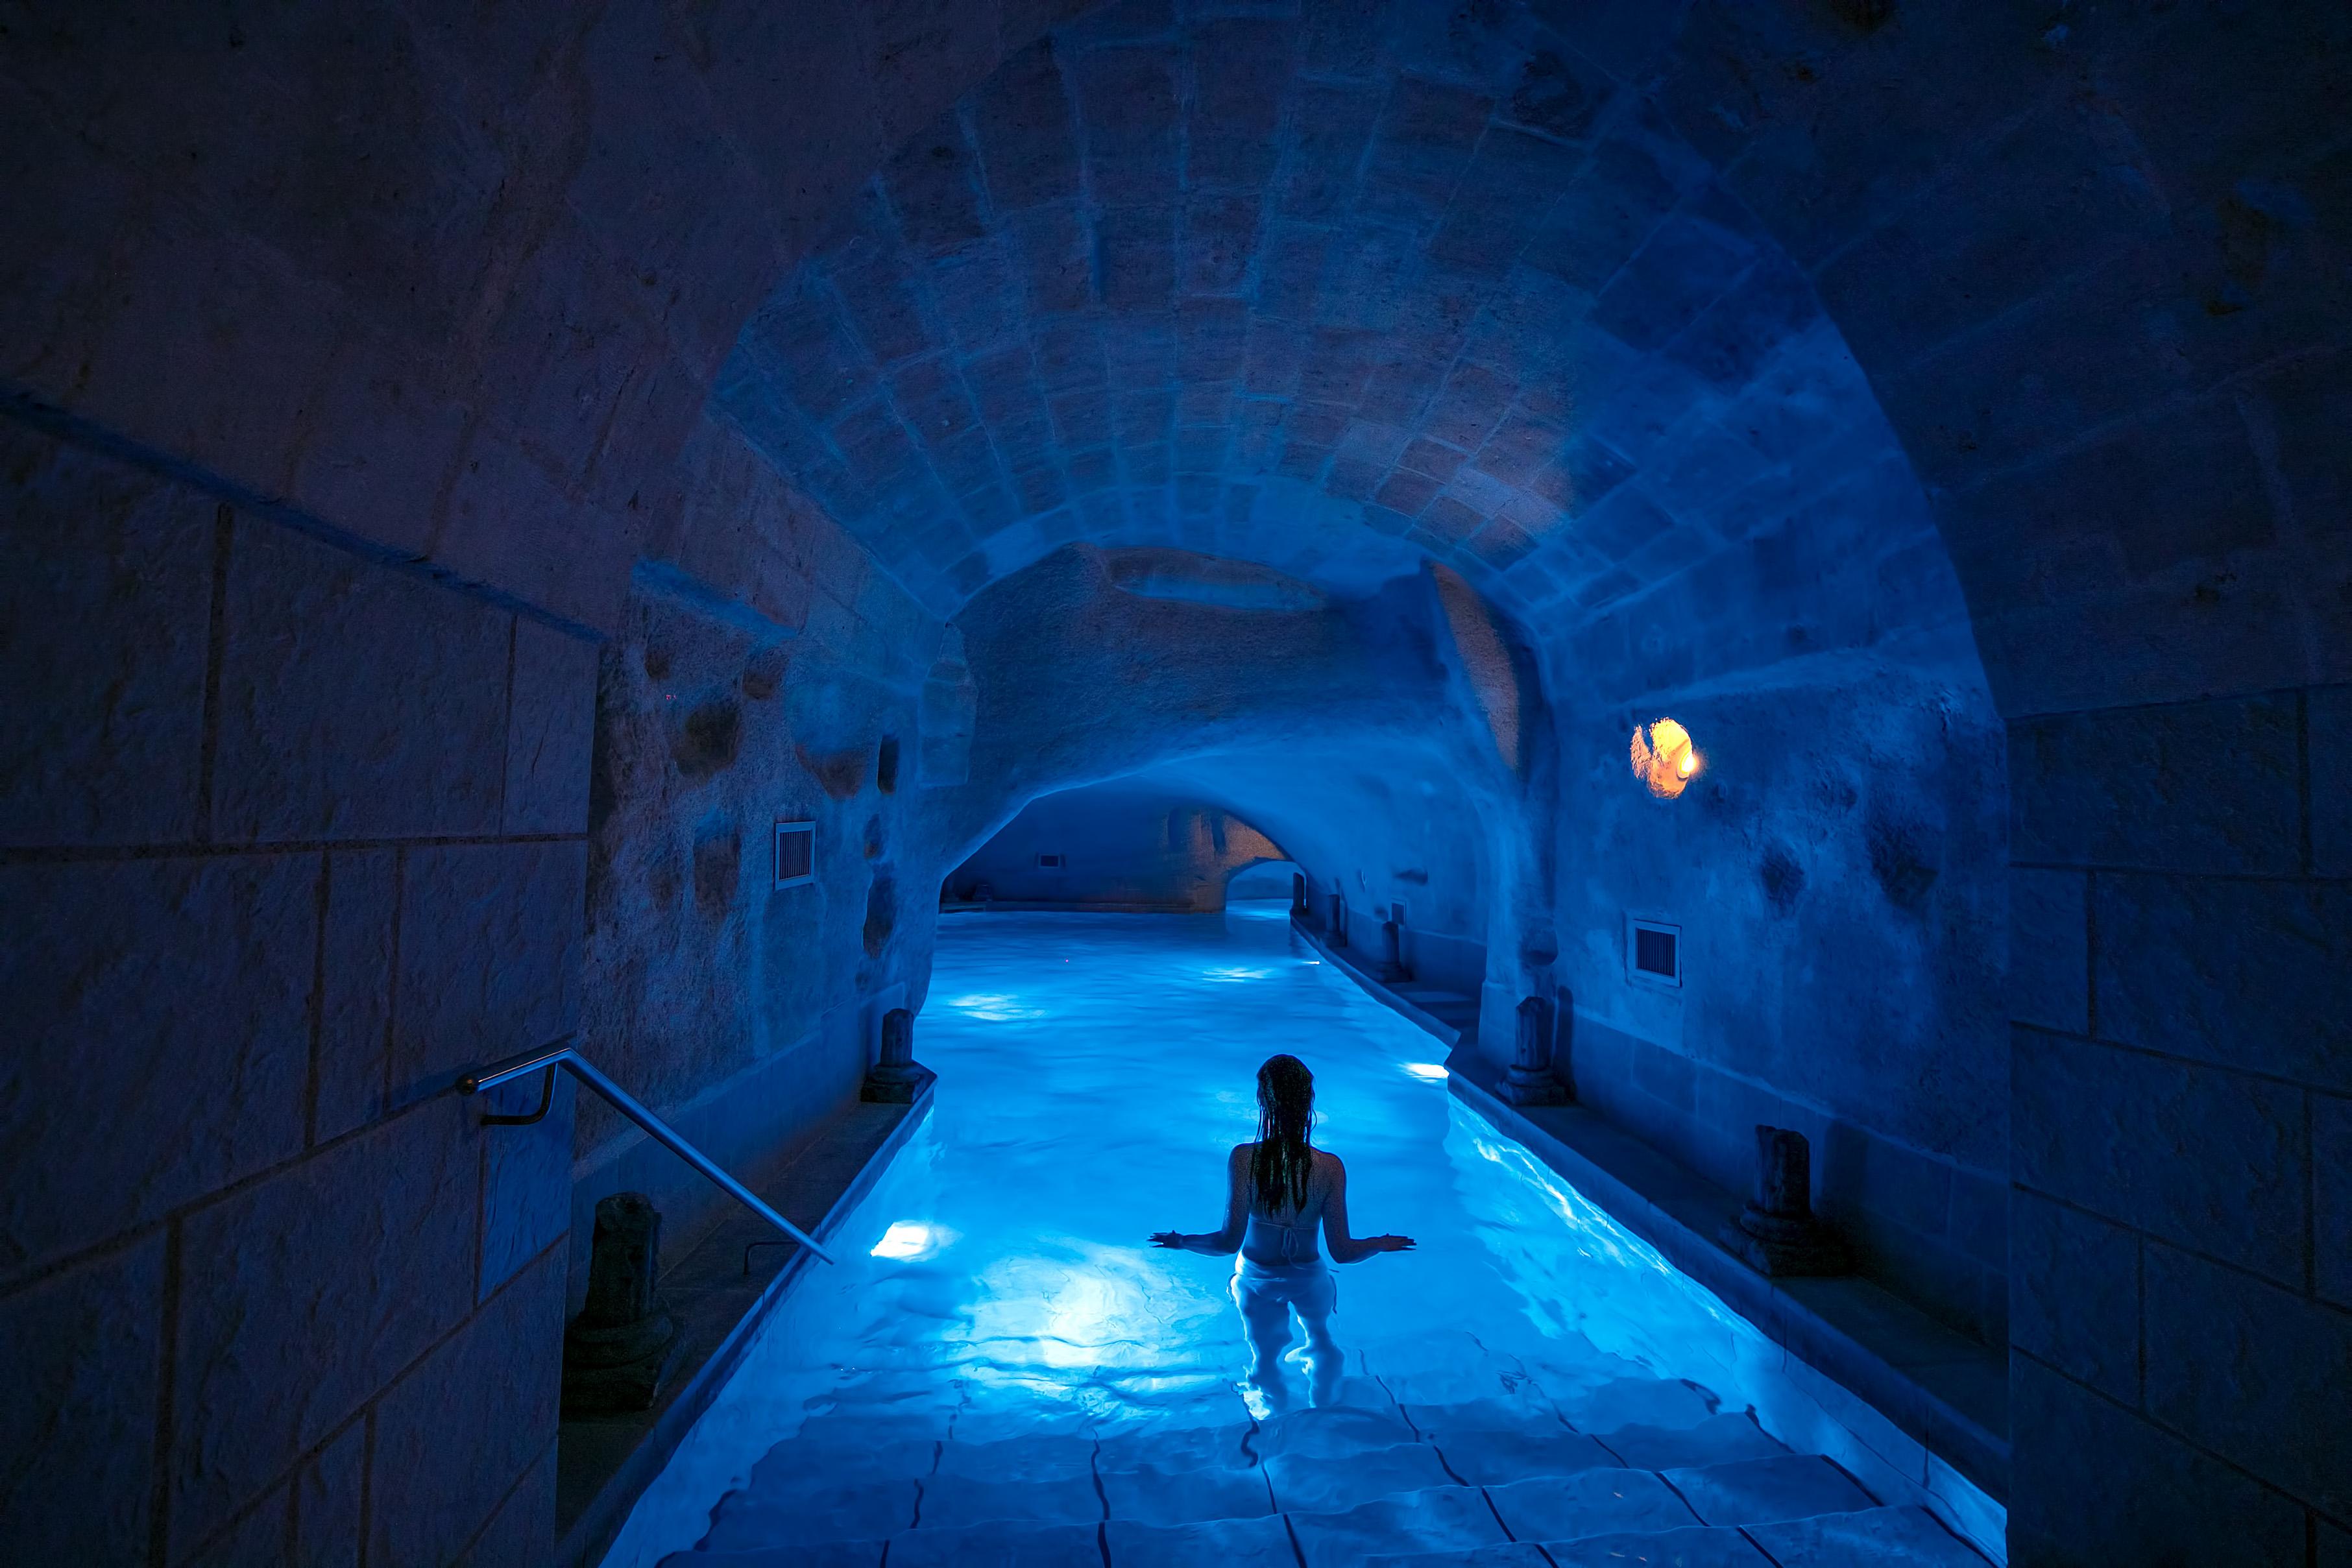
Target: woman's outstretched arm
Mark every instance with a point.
(1228, 1240)
(1347, 1248)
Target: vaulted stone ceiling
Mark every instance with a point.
(1334, 296)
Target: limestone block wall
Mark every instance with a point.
(1119, 845)
(2181, 1106)
(292, 835)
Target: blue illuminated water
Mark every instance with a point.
(1094, 1071)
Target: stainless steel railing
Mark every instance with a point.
(562, 1054)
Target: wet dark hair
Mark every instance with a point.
(1286, 1109)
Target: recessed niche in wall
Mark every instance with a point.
(1664, 757)
(795, 853)
(1049, 862)
(1654, 952)
(886, 765)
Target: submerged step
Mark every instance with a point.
(1491, 1458)
(1213, 1544)
(1593, 1503)
(1444, 1518)
(1693, 1548)
(1153, 1496)
(1873, 1538)
(1310, 1483)
(1766, 1491)
(1717, 1440)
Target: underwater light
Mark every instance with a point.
(1427, 1072)
(906, 1240)
(1664, 757)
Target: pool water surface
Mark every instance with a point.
(1094, 1071)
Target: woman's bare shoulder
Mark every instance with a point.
(1327, 1161)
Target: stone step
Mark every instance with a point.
(1213, 1544)
(1509, 1555)
(1440, 1519)
(1492, 1457)
(1591, 1503)
(1691, 1548)
(1871, 1538)
(1314, 1483)
(1154, 1497)
(1717, 1440)
(1767, 1492)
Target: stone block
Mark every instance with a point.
(263, 1534)
(327, 1495)
(105, 591)
(303, 1295)
(2181, 786)
(523, 1529)
(78, 1428)
(2210, 1159)
(2250, 974)
(1027, 135)
(2331, 1163)
(355, 701)
(355, 995)
(2158, 1499)
(550, 727)
(489, 956)
(2252, 1372)
(1979, 1218)
(526, 1178)
(2329, 726)
(2049, 949)
(455, 1435)
(1667, 1076)
(164, 1006)
(2074, 1295)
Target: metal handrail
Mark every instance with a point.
(564, 1054)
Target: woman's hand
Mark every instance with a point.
(1168, 1238)
(1390, 1243)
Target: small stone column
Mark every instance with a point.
(1777, 1232)
(896, 1077)
(1338, 929)
(1529, 1081)
(617, 1350)
(1299, 910)
(1393, 970)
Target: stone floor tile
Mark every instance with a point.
(1150, 1495)
(1593, 1503)
(954, 1502)
(1717, 1440)
(1000, 1545)
(1659, 1549)
(1440, 1520)
(1873, 1538)
(1305, 1483)
(1638, 1402)
(1492, 1458)
(1765, 1491)
(1211, 1543)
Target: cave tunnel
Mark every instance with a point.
(1779, 573)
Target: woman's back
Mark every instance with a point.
(1282, 1235)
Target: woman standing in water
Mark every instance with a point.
(1279, 1190)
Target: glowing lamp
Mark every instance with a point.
(1664, 757)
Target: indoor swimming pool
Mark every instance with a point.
(1002, 1370)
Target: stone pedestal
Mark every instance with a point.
(896, 1077)
(1338, 929)
(1529, 1081)
(617, 1350)
(1777, 1232)
(1299, 910)
(1393, 970)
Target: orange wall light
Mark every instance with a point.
(1664, 757)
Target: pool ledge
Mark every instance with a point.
(1930, 1402)
(604, 1465)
